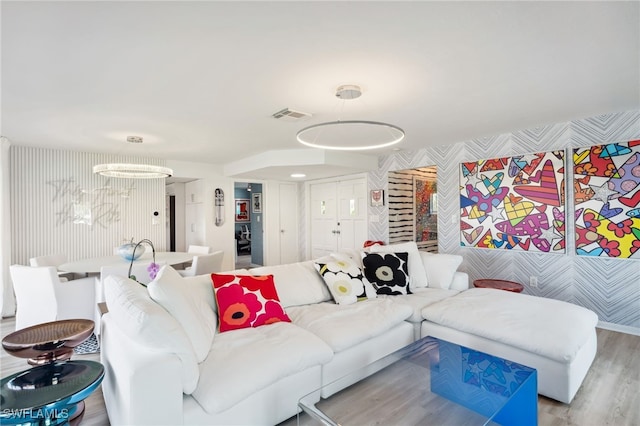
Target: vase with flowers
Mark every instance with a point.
(153, 267)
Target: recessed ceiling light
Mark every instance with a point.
(298, 175)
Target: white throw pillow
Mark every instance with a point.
(187, 302)
(440, 268)
(149, 324)
(417, 274)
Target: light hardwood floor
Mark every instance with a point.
(610, 394)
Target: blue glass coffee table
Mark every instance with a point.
(432, 382)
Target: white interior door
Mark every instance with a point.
(288, 221)
(323, 218)
(338, 215)
(352, 214)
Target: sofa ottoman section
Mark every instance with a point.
(556, 338)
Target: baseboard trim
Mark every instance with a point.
(619, 328)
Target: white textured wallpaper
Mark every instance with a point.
(609, 287)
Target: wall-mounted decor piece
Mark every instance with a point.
(377, 198)
(606, 187)
(219, 206)
(256, 202)
(425, 209)
(514, 203)
(242, 210)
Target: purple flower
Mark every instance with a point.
(153, 270)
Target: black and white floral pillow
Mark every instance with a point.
(344, 278)
(387, 272)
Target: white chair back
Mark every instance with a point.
(35, 295)
(246, 232)
(50, 260)
(42, 297)
(199, 249)
(208, 263)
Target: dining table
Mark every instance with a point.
(92, 265)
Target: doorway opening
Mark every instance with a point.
(248, 224)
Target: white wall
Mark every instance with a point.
(216, 237)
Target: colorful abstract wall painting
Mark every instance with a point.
(606, 182)
(514, 203)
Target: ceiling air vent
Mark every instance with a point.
(290, 115)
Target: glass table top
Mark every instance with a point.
(431, 382)
(59, 384)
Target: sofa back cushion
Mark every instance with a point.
(440, 268)
(417, 274)
(297, 283)
(149, 324)
(189, 302)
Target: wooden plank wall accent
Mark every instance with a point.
(401, 211)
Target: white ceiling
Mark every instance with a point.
(200, 80)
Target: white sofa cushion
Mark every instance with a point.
(188, 302)
(344, 326)
(440, 268)
(296, 283)
(150, 324)
(420, 299)
(242, 362)
(417, 274)
(559, 331)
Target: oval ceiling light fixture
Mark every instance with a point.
(350, 135)
(298, 175)
(132, 171)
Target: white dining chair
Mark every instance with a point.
(199, 249)
(52, 260)
(204, 264)
(42, 297)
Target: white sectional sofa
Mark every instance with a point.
(166, 362)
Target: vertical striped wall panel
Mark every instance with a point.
(50, 187)
(610, 287)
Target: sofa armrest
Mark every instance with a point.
(141, 386)
(460, 281)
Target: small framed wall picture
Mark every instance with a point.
(256, 202)
(377, 197)
(242, 210)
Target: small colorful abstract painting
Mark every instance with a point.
(514, 203)
(425, 205)
(606, 185)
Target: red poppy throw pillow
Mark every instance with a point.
(246, 301)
